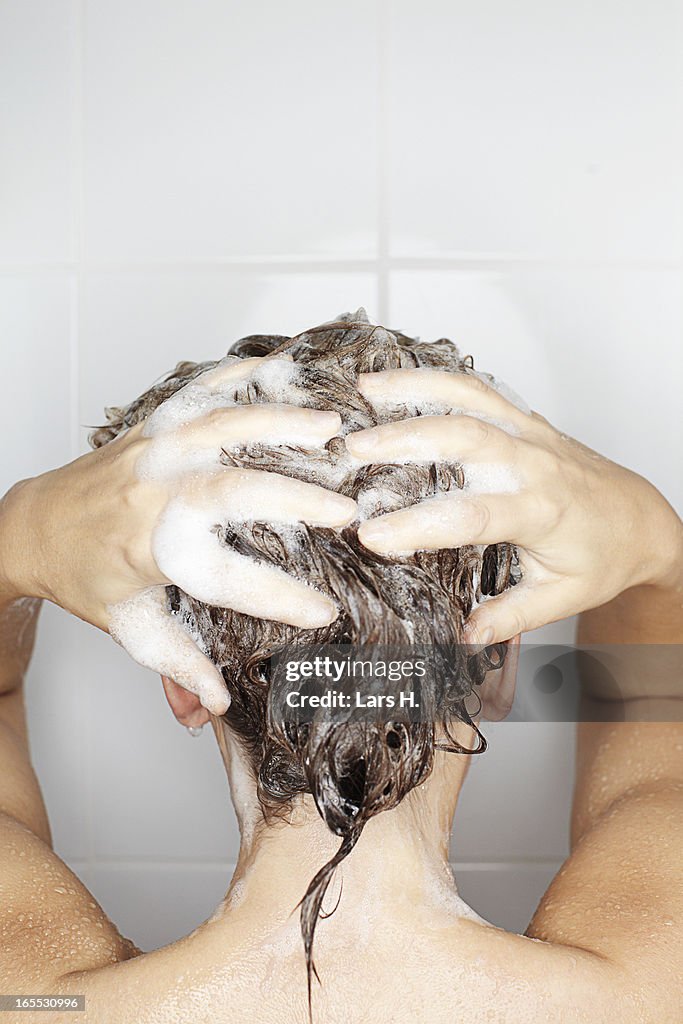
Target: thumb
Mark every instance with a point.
(145, 628)
(519, 610)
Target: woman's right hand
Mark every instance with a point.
(102, 539)
(586, 528)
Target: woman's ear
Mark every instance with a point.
(498, 689)
(185, 705)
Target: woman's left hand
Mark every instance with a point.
(586, 529)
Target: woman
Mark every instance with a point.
(400, 944)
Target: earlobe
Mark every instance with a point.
(185, 706)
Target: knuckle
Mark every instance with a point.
(476, 384)
(516, 623)
(544, 507)
(129, 495)
(218, 416)
(547, 462)
(480, 516)
(127, 460)
(477, 431)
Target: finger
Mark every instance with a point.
(264, 423)
(145, 628)
(452, 520)
(228, 371)
(197, 444)
(267, 592)
(498, 689)
(233, 370)
(427, 386)
(245, 494)
(212, 390)
(527, 606)
(187, 550)
(434, 439)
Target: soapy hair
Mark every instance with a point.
(353, 769)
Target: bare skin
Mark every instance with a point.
(401, 946)
(586, 528)
(88, 539)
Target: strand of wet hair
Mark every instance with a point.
(312, 901)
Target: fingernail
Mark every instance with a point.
(361, 441)
(372, 533)
(217, 703)
(369, 381)
(478, 637)
(327, 419)
(343, 507)
(321, 613)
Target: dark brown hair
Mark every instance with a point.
(356, 769)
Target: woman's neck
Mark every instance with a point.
(400, 859)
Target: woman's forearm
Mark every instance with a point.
(651, 614)
(19, 603)
(638, 636)
(17, 543)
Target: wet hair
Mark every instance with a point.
(354, 770)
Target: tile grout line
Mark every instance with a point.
(464, 261)
(382, 167)
(78, 250)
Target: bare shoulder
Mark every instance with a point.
(606, 941)
(619, 898)
(50, 924)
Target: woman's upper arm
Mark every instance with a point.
(619, 759)
(50, 925)
(20, 795)
(618, 894)
(49, 922)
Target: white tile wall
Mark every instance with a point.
(174, 175)
(36, 408)
(252, 128)
(599, 351)
(181, 809)
(156, 901)
(517, 794)
(137, 326)
(60, 730)
(534, 129)
(37, 41)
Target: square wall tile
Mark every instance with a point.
(137, 326)
(155, 904)
(534, 129)
(516, 799)
(58, 727)
(157, 793)
(37, 48)
(597, 352)
(507, 895)
(218, 130)
(35, 412)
